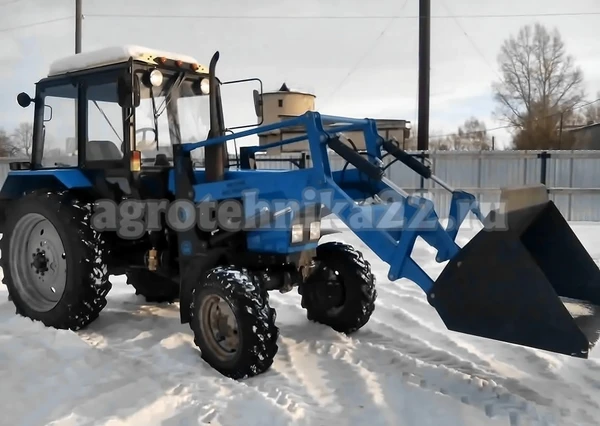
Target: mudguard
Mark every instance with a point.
(19, 182)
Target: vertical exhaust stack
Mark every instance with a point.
(215, 156)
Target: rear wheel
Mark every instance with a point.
(54, 261)
(153, 287)
(340, 292)
(233, 324)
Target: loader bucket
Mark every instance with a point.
(524, 279)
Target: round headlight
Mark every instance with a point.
(156, 78)
(205, 86)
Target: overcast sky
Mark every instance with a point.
(358, 67)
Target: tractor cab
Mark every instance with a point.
(116, 114)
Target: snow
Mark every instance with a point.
(137, 365)
(112, 55)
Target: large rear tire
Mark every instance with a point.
(54, 261)
(153, 287)
(340, 292)
(233, 324)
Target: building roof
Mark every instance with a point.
(286, 89)
(582, 128)
(114, 55)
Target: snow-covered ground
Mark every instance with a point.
(137, 365)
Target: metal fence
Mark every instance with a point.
(572, 177)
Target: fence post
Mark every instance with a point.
(302, 163)
(544, 155)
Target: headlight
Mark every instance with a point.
(315, 230)
(205, 86)
(156, 78)
(297, 233)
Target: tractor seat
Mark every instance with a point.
(161, 160)
(102, 150)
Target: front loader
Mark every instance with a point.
(219, 239)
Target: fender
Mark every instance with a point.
(19, 182)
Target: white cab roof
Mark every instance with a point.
(113, 55)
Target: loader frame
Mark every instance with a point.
(337, 191)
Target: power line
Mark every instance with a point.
(338, 17)
(366, 54)
(509, 126)
(470, 39)
(34, 24)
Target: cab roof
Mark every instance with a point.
(115, 55)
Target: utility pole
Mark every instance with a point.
(424, 77)
(78, 22)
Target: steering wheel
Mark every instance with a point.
(146, 144)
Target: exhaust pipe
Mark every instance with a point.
(215, 155)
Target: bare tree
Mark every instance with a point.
(591, 113)
(538, 83)
(7, 148)
(23, 138)
(472, 135)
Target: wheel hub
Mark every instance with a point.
(219, 327)
(38, 264)
(330, 293)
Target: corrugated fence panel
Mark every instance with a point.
(508, 170)
(403, 176)
(460, 169)
(584, 207)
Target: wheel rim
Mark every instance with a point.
(219, 327)
(38, 263)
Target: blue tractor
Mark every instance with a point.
(109, 200)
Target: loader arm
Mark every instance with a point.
(505, 284)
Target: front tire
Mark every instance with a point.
(233, 324)
(54, 261)
(340, 292)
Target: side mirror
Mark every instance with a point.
(24, 100)
(258, 104)
(129, 97)
(228, 89)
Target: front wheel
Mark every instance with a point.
(233, 324)
(340, 292)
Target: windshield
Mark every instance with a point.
(179, 111)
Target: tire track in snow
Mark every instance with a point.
(424, 352)
(492, 399)
(166, 348)
(350, 394)
(445, 350)
(162, 343)
(381, 369)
